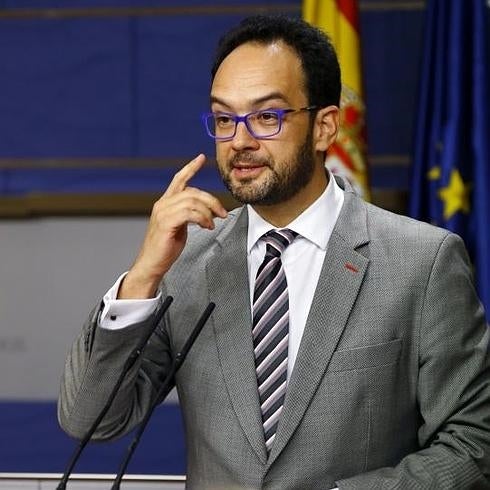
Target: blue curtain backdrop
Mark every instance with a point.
(451, 168)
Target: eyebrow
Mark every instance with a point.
(260, 100)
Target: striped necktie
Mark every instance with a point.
(271, 331)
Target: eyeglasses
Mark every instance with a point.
(260, 124)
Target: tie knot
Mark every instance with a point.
(278, 240)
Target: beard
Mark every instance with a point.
(282, 181)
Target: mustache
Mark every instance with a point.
(247, 157)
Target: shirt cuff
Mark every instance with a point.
(120, 313)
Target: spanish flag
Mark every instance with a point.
(340, 20)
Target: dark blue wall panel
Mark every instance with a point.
(31, 441)
(97, 83)
(65, 88)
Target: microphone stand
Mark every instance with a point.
(163, 392)
(127, 366)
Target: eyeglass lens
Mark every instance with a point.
(261, 123)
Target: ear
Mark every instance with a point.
(327, 122)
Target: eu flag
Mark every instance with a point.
(451, 167)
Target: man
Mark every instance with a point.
(346, 349)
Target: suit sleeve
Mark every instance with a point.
(92, 368)
(453, 387)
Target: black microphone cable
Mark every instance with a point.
(163, 392)
(127, 366)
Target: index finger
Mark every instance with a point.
(182, 177)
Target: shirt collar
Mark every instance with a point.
(315, 223)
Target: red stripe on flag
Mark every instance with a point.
(339, 150)
(350, 11)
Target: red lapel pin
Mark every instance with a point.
(351, 267)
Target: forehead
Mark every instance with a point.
(253, 71)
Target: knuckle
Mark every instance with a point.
(192, 191)
(156, 207)
(193, 201)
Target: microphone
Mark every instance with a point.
(163, 391)
(127, 366)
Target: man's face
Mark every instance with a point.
(264, 171)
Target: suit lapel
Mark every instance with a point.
(338, 286)
(227, 275)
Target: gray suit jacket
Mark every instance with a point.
(391, 385)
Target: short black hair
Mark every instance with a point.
(313, 47)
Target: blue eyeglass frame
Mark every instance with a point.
(236, 119)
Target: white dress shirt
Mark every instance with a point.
(302, 262)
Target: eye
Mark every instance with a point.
(269, 118)
(223, 120)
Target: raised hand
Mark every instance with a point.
(166, 234)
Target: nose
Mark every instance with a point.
(243, 139)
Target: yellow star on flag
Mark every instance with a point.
(455, 196)
(434, 173)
